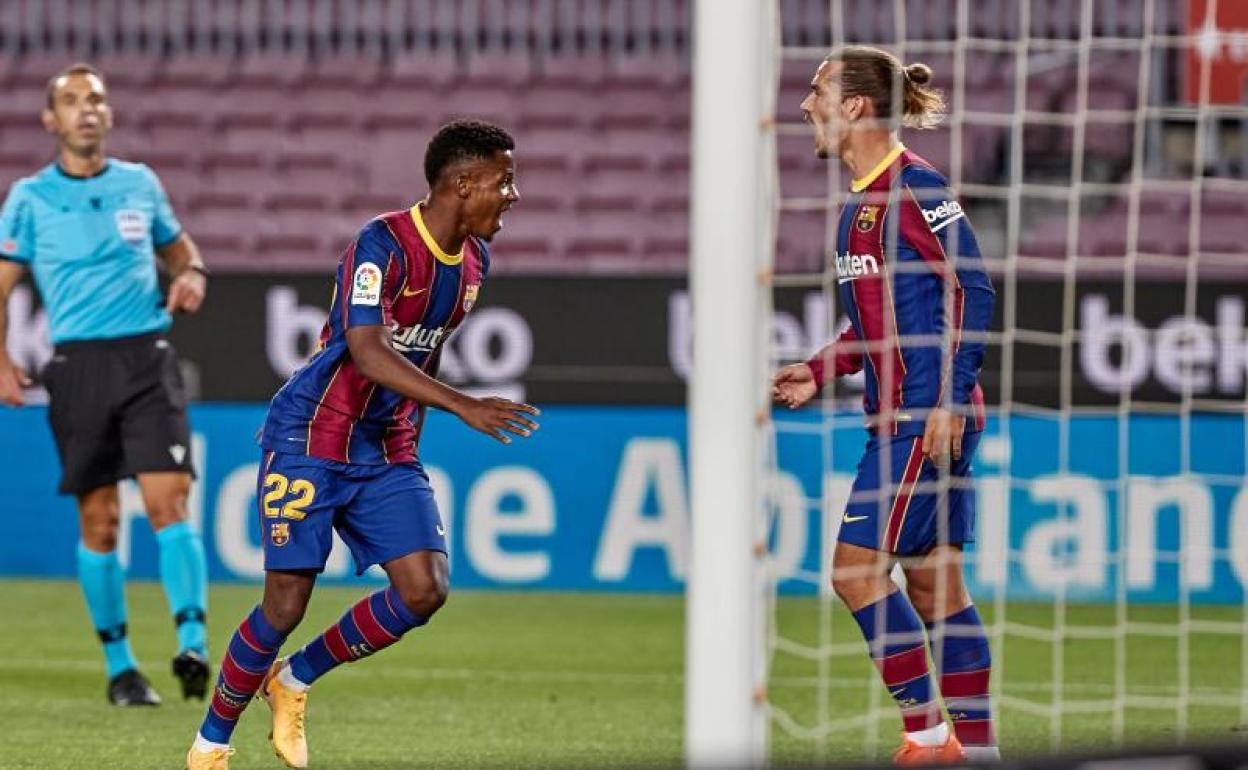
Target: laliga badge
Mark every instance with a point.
(366, 285)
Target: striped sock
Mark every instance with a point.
(373, 624)
(894, 637)
(960, 649)
(252, 649)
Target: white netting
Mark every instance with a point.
(1106, 181)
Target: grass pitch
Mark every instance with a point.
(577, 680)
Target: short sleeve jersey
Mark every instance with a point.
(90, 243)
(393, 274)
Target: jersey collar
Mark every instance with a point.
(431, 244)
(108, 163)
(858, 185)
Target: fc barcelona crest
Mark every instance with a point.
(470, 296)
(866, 217)
(279, 533)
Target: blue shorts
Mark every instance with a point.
(918, 507)
(381, 512)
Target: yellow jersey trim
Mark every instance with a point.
(858, 185)
(434, 248)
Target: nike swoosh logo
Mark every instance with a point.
(408, 293)
(851, 519)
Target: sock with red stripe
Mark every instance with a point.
(960, 649)
(894, 635)
(373, 624)
(252, 649)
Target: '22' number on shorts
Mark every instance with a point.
(276, 487)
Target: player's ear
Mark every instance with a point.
(463, 184)
(48, 118)
(856, 107)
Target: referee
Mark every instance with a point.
(89, 228)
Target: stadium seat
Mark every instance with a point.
(424, 68)
(602, 122)
(584, 73)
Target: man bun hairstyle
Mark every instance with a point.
(919, 73)
(462, 140)
(876, 74)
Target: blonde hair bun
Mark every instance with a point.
(918, 73)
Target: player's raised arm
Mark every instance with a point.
(378, 362)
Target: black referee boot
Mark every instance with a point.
(191, 669)
(131, 688)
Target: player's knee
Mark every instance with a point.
(284, 612)
(851, 589)
(923, 599)
(284, 608)
(168, 508)
(100, 537)
(427, 596)
(100, 525)
(162, 517)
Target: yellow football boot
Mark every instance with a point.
(289, 707)
(217, 759)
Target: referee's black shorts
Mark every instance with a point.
(117, 408)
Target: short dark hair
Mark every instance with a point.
(77, 68)
(463, 140)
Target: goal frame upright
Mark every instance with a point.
(731, 239)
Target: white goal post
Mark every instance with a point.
(725, 715)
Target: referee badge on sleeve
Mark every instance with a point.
(366, 285)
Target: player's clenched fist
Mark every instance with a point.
(496, 417)
(12, 380)
(794, 385)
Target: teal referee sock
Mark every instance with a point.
(103, 586)
(183, 574)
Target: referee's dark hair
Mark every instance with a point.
(463, 140)
(77, 68)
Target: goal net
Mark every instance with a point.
(1100, 150)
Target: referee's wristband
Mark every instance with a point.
(201, 270)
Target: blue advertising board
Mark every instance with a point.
(597, 500)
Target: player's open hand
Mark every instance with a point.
(794, 386)
(186, 293)
(942, 437)
(12, 381)
(497, 417)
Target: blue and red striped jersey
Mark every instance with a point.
(393, 274)
(911, 278)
